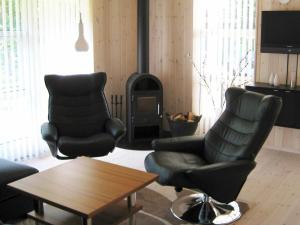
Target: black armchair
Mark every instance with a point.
(80, 123)
(218, 163)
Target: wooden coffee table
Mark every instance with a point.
(85, 191)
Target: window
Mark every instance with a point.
(37, 37)
(224, 52)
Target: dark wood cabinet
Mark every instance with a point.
(290, 112)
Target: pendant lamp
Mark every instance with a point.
(81, 44)
(284, 1)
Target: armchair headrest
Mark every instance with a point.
(251, 106)
(75, 85)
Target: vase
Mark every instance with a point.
(276, 80)
(293, 79)
(271, 79)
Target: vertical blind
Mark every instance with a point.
(37, 37)
(224, 52)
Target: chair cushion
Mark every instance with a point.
(97, 145)
(11, 171)
(171, 166)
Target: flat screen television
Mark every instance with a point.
(280, 32)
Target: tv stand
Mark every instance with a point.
(289, 115)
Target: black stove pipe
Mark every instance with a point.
(143, 36)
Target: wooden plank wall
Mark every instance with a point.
(115, 51)
(171, 39)
(171, 35)
(285, 139)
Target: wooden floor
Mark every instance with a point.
(272, 190)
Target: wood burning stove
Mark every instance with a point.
(144, 94)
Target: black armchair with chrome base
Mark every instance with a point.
(80, 123)
(218, 163)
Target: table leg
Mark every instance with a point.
(38, 208)
(86, 221)
(131, 201)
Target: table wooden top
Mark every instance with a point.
(84, 186)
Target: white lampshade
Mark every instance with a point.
(81, 44)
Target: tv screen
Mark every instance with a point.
(280, 32)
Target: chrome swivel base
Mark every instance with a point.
(201, 209)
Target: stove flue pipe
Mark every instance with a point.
(143, 36)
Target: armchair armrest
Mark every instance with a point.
(223, 169)
(187, 144)
(115, 127)
(49, 132)
(50, 135)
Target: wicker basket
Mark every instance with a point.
(180, 128)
